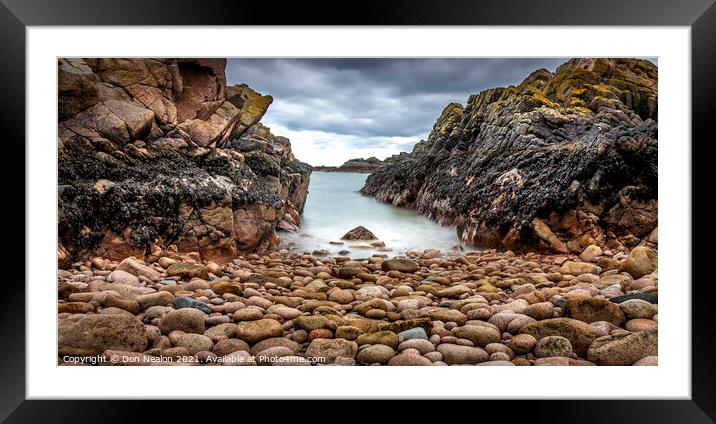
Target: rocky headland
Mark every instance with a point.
(160, 157)
(560, 162)
(359, 165)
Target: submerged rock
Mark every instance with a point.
(359, 233)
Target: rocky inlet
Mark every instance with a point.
(426, 308)
(171, 192)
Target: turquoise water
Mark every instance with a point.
(334, 206)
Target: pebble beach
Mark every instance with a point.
(424, 308)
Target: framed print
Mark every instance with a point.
(412, 201)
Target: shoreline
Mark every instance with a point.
(424, 308)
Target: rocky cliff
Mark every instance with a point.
(559, 162)
(159, 156)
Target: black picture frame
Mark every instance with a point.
(16, 15)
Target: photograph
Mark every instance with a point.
(357, 211)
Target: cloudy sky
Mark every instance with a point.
(336, 109)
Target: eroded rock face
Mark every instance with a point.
(560, 162)
(159, 156)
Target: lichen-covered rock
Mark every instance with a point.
(223, 287)
(447, 315)
(641, 261)
(553, 346)
(479, 335)
(624, 349)
(188, 271)
(252, 106)
(93, 334)
(195, 343)
(578, 268)
(228, 330)
(379, 353)
(254, 331)
(457, 354)
(637, 308)
(579, 333)
(561, 161)
(132, 266)
(159, 156)
(593, 309)
(387, 338)
(188, 320)
(327, 350)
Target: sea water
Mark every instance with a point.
(335, 206)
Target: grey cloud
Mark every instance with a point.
(373, 98)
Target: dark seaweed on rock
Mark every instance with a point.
(158, 155)
(560, 161)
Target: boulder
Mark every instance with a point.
(456, 354)
(220, 331)
(579, 333)
(160, 298)
(399, 264)
(591, 253)
(194, 343)
(187, 302)
(93, 334)
(327, 350)
(553, 346)
(409, 360)
(378, 353)
(593, 309)
(253, 332)
(579, 268)
(624, 349)
(359, 233)
(637, 308)
(370, 292)
(481, 336)
(188, 271)
(188, 320)
(447, 315)
(132, 266)
(640, 262)
(387, 338)
(274, 342)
